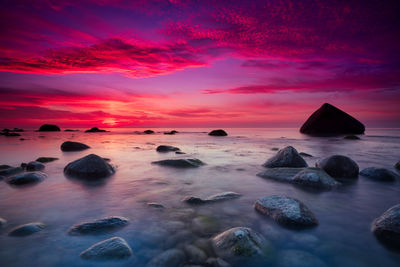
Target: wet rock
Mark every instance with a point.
(11, 134)
(70, 130)
(2, 222)
(148, 132)
(193, 200)
(286, 157)
(113, 248)
(181, 237)
(205, 225)
(3, 167)
(213, 198)
(155, 205)
(169, 258)
(49, 128)
(95, 130)
(218, 132)
(194, 254)
(99, 226)
(34, 166)
(339, 166)
(46, 159)
(397, 165)
(351, 137)
(174, 226)
(179, 153)
(387, 227)
(241, 242)
(329, 120)
(303, 154)
(2, 177)
(164, 148)
(11, 171)
(280, 174)
(73, 146)
(205, 245)
(298, 258)
(314, 177)
(171, 132)
(216, 262)
(180, 163)
(275, 149)
(89, 167)
(27, 178)
(380, 174)
(286, 211)
(27, 229)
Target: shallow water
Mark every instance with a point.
(343, 237)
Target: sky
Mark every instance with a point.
(184, 63)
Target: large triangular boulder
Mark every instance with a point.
(329, 120)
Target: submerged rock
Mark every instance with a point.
(387, 227)
(217, 262)
(193, 200)
(46, 159)
(180, 163)
(286, 157)
(3, 167)
(99, 226)
(171, 132)
(73, 146)
(241, 242)
(339, 166)
(213, 198)
(397, 165)
(164, 148)
(205, 225)
(11, 134)
(195, 254)
(314, 177)
(49, 128)
(298, 258)
(351, 137)
(280, 174)
(218, 132)
(11, 171)
(27, 229)
(27, 178)
(380, 174)
(34, 166)
(303, 154)
(155, 205)
(112, 248)
(286, 211)
(168, 258)
(329, 120)
(95, 130)
(89, 167)
(148, 132)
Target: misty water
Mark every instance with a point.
(342, 238)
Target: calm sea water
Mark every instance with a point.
(343, 237)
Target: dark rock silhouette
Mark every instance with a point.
(351, 137)
(180, 163)
(89, 167)
(171, 132)
(286, 157)
(27, 178)
(95, 130)
(27, 229)
(99, 226)
(379, 174)
(148, 132)
(73, 146)
(164, 148)
(339, 166)
(387, 227)
(329, 120)
(49, 128)
(397, 165)
(46, 159)
(11, 171)
(218, 132)
(34, 166)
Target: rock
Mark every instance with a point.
(89, 167)
(95, 130)
(69, 130)
(303, 154)
(329, 120)
(180, 163)
(2, 177)
(46, 159)
(351, 137)
(168, 258)
(205, 225)
(27, 178)
(34, 166)
(23, 165)
(73, 146)
(182, 237)
(387, 227)
(155, 205)
(112, 248)
(148, 132)
(214, 198)
(216, 262)
(2, 222)
(314, 177)
(179, 152)
(163, 148)
(286, 157)
(339, 166)
(194, 254)
(11, 171)
(99, 226)
(3, 167)
(380, 174)
(173, 226)
(11, 134)
(49, 128)
(27, 229)
(241, 242)
(171, 132)
(298, 258)
(280, 174)
(286, 211)
(193, 200)
(397, 165)
(218, 132)
(274, 148)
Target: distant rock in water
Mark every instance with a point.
(213, 198)
(164, 148)
(180, 163)
(95, 130)
(112, 248)
(286, 157)
(171, 132)
(99, 226)
(34, 166)
(10, 171)
(286, 211)
(329, 120)
(339, 166)
(387, 227)
(46, 159)
(397, 165)
(89, 167)
(148, 132)
(3, 167)
(69, 130)
(49, 128)
(380, 174)
(73, 146)
(27, 178)
(351, 137)
(218, 132)
(27, 229)
(11, 134)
